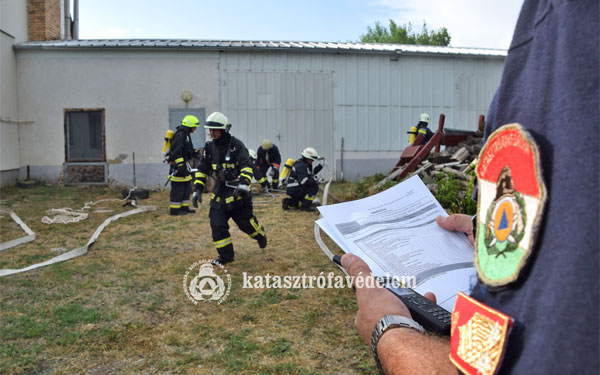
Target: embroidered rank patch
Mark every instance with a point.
(510, 204)
(478, 336)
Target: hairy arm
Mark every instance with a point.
(406, 351)
(400, 350)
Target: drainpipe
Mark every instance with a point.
(75, 19)
(67, 19)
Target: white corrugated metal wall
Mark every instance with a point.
(301, 99)
(287, 98)
(377, 99)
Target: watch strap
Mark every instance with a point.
(386, 323)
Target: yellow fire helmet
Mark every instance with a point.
(190, 121)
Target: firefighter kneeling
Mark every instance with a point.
(226, 158)
(302, 185)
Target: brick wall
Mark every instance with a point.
(44, 18)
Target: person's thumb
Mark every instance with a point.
(430, 296)
(355, 266)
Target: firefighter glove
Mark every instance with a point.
(196, 198)
(244, 190)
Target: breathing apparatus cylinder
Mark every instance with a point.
(412, 134)
(167, 142)
(286, 170)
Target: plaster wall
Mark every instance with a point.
(134, 88)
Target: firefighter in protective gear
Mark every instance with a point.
(258, 176)
(302, 185)
(180, 154)
(226, 159)
(268, 156)
(422, 127)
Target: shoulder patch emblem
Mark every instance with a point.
(478, 336)
(510, 204)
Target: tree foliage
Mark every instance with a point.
(406, 35)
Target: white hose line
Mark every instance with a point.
(82, 250)
(17, 241)
(317, 232)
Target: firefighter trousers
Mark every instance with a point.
(245, 220)
(180, 196)
(301, 196)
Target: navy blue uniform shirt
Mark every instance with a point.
(550, 86)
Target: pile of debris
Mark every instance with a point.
(457, 160)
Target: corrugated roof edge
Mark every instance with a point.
(225, 45)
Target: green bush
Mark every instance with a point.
(453, 197)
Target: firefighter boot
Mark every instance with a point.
(188, 209)
(177, 211)
(262, 241)
(306, 206)
(221, 260)
(286, 203)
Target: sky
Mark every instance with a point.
(471, 23)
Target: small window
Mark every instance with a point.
(84, 132)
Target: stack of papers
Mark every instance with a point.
(395, 233)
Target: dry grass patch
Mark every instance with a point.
(121, 308)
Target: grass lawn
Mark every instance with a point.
(121, 308)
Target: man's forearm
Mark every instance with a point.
(406, 351)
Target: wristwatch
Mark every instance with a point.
(386, 323)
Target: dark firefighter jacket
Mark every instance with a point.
(226, 159)
(258, 176)
(302, 174)
(264, 158)
(182, 151)
(423, 129)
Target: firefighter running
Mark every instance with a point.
(180, 154)
(269, 160)
(226, 158)
(302, 184)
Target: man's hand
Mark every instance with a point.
(373, 303)
(457, 223)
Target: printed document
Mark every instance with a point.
(396, 234)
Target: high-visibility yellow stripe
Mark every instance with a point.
(228, 200)
(179, 160)
(257, 226)
(261, 180)
(173, 205)
(309, 198)
(180, 179)
(222, 243)
(247, 169)
(199, 182)
(423, 131)
(200, 175)
(245, 175)
(214, 167)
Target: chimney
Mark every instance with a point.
(44, 18)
